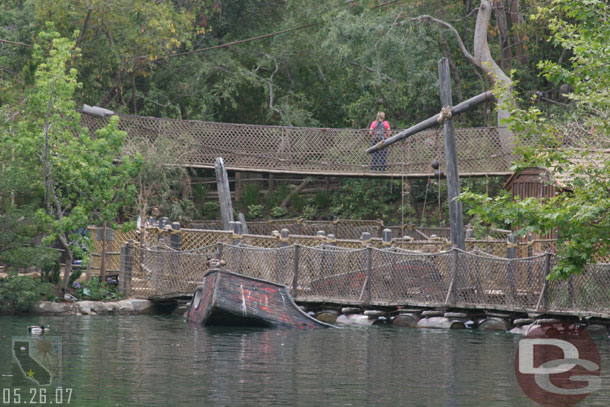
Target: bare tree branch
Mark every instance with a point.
(463, 48)
(366, 68)
(16, 43)
(85, 24)
(466, 16)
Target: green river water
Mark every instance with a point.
(163, 361)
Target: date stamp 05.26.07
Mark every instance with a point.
(36, 396)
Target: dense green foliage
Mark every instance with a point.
(73, 172)
(96, 290)
(20, 293)
(339, 63)
(579, 215)
(308, 63)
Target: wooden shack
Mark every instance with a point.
(533, 182)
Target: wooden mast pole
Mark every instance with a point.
(456, 219)
(224, 194)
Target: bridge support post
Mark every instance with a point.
(219, 251)
(125, 273)
(224, 193)
(511, 253)
(368, 258)
(386, 235)
(295, 270)
(451, 292)
(331, 241)
(547, 271)
(281, 263)
(236, 226)
(175, 236)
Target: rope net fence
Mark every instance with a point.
(384, 277)
(341, 228)
(188, 239)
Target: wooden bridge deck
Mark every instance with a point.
(312, 151)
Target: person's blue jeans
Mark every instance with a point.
(379, 157)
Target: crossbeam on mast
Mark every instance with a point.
(433, 121)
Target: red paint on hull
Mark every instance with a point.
(227, 298)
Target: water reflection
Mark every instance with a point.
(161, 361)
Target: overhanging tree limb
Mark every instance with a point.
(16, 43)
(458, 38)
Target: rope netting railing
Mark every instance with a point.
(341, 228)
(162, 270)
(306, 150)
(187, 239)
(386, 277)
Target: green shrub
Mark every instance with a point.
(50, 272)
(278, 212)
(250, 193)
(322, 199)
(274, 199)
(96, 290)
(297, 202)
(210, 210)
(200, 192)
(255, 211)
(309, 212)
(20, 293)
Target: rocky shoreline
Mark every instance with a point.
(123, 307)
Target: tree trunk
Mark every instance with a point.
(483, 56)
(69, 258)
(482, 59)
(294, 192)
(516, 20)
(506, 54)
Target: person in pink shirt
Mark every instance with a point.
(380, 129)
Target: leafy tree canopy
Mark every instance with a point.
(580, 215)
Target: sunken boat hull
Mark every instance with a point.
(227, 298)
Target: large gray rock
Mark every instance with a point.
(142, 306)
(84, 307)
(132, 306)
(125, 307)
(48, 307)
(111, 307)
(96, 307)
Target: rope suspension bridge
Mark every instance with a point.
(313, 151)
